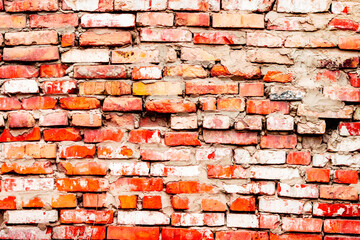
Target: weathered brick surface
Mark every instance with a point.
(180, 119)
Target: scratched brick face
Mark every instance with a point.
(180, 119)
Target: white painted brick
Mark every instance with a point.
(214, 154)
(214, 5)
(142, 218)
(126, 168)
(184, 122)
(198, 219)
(108, 20)
(320, 160)
(274, 173)
(345, 160)
(264, 188)
(140, 5)
(269, 157)
(242, 220)
(117, 151)
(178, 171)
(242, 156)
(28, 184)
(279, 122)
(216, 122)
(20, 233)
(85, 55)
(275, 205)
(21, 86)
(31, 216)
(298, 190)
(247, 5)
(303, 6)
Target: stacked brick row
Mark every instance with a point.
(180, 119)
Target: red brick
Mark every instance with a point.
(94, 200)
(11, 136)
(82, 184)
(31, 54)
(251, 89)
(80, 232)
(349, 128)
(86, 216)
(31, 38)
(295, 236)
(31, 5)
(57, 118)
(216, 171)
(248, 235)
(278, 141)
(231, 104)
(128, 202)
(53, 70)
(100, 71)
(123, 104)
(35, 103)
(86, 119)
(21, 120)
(354, 79)
(344, 24)
(68, 40)
(165, 35)
(217, 38)
(327, 75)
(243, 205)
(8, 203)
(18, 71)
(209, 87)
(59, 87)
(212, 205)
(347, 94)
(230, 137)
(138, 184)
(35, 168)
(133, 233)
(144, 136)
(152, 202)
(301, 224)
(12, 21)
(182, 139)
(117, 151)
(7, 103)
(192, 19)
(349, 43)
(237, 20)
(62, 134)
(189, 187)
(104, 88)
(154, 19)
(346, 176)
(339, 192)
(84, 168)
(277, 76)
(318, 175)
(180, 203)
(336, 210)
(188, 234)
(170, 106)
(105, 39)
(79, 103)
(77, 151)
(342, 226)
(299, 158)
(54, 20)
(103, 134)
(266, 107)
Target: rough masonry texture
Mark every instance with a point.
(180, 119)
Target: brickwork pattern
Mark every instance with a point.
(180, 119)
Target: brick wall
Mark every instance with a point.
(180, 119)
